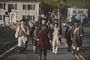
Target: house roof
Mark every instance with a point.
(19, 0)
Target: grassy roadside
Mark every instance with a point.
(7, 40)
(6, 37)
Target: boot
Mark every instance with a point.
(69, 49)
(25, 46)
(20, 50)
(23, 50)
(73, 51)
(76, 52)
(40, 58)
(44, 57)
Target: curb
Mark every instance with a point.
(8, 51)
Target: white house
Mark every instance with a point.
(14, 10)
(80, 14)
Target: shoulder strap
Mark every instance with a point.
(41, 29)
(23, 29)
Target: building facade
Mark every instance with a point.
(79, 4)
(12, 11)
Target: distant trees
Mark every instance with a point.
(54, 5)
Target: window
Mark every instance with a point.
(4, 17)
(24, 7)
(15, 6)
(0, 17)
(28, 17)
(1, 6)
(28, 7)
(33, 17)
(12, 6)
(24, 17)
(31, 7)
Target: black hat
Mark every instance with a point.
(55, 19)
(55, 23)
(43, 18)
(77, 21)
(18, 21)
(70, 23)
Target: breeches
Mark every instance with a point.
(55, 45)
(55, 42)
(21, 41)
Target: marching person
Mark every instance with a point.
(43, 39)
(50, 35)
(21, 36)
(35, 36)
(27, 28)
(31, 24)
(68, 36)
(55, 42)
(51, 31)
(77, 33)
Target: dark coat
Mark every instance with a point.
(43, 36)
(51, 33)
(68, 33)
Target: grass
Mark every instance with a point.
(6, 37)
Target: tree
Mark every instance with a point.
(48, 4)
(56, 6)
(53, 4)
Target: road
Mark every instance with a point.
(63, 54)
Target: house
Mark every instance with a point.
(14, 10)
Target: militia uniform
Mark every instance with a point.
(21, 36)
(68, 37)
(77, 34)
(55, 41)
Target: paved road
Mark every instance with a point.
(85, 51)
(63, 54)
